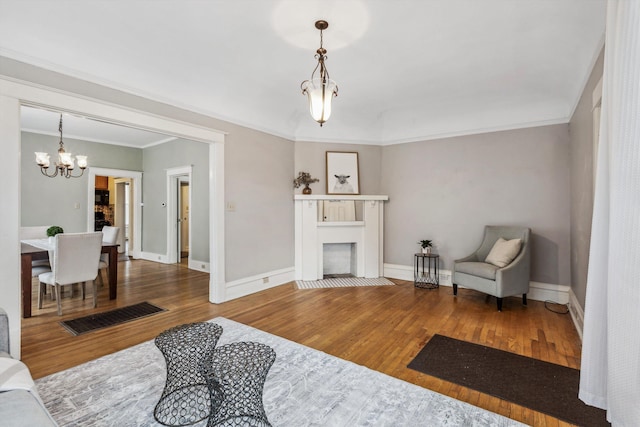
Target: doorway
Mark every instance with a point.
(183, 220)
(179, 215)
(123, 209)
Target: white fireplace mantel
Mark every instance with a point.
(312, 233)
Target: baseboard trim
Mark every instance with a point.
(577, 313)
(537, 291)
(203, 266)
(549, 292)
(250, 285)
(150, 256)
(194, 264)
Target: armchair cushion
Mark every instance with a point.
(481, 269)
(503, 252)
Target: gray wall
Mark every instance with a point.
(447, 190)
(581, 135)
(258, 182)
(52, 201)
(156, 161)
(311, 157)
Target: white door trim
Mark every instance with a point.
(173, 177)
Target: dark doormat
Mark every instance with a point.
(538, 385)
(93, 322)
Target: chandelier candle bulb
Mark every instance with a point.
(42, 159)
(82, 161)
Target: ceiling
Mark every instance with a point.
(46, 122)
(407, 70)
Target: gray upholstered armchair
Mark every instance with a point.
(513, 279)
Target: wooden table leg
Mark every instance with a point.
(113, 272)
(25, 269)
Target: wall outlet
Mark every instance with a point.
(265, 280)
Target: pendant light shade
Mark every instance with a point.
(320, 89)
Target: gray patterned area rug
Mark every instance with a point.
(304, 387)
(343, 282)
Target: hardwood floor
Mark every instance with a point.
(382, 327)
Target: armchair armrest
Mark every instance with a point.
(516, 274)
(4, 331)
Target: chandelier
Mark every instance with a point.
(65, 164)
(321, 89)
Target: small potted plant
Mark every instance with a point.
(52, 231)
(304, 178)
(426, 246)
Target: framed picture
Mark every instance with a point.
(342, 173)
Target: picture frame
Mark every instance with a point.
(343, 175)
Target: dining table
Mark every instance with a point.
(38, 249)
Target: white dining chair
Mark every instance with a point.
(109, 236)
(75, 260)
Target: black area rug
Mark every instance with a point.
(93, 322)
(538, 385)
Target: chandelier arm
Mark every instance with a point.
(44, 172)
(74, 176)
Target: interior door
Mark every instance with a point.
(183, 215)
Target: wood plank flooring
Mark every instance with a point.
(382, 327)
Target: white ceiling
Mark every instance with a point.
(407, 69)
(46, 122)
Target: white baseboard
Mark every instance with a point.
(537, 291)
(203, 266)
(250, 285)
(194, 264)
(548, 292)
(577, 313)
(150, 256)
(405, 272)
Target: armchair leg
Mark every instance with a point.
(524, 299)
(499, 304)
(455, 289)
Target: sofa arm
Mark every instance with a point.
(4, 331)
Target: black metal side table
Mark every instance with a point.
(186, 398)
(426, 277)
(235, 375)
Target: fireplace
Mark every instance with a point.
(339, 260)
(355, 244)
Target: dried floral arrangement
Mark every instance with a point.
(304, 178)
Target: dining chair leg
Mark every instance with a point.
(59, 300)
(100, 278)
(95, 294)
(41, 293)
